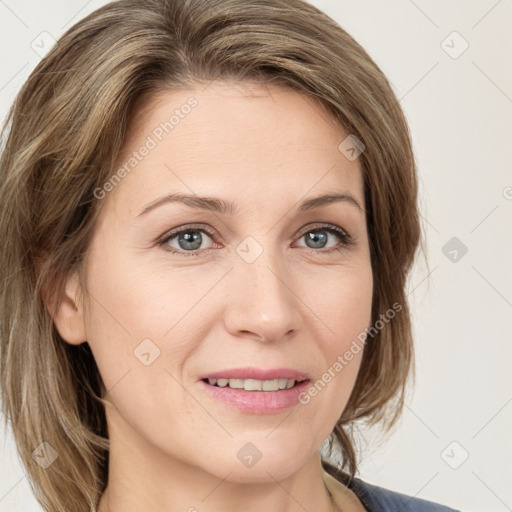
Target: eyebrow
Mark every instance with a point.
(217, 205)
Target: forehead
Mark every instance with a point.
(236, 109)
(245, 139)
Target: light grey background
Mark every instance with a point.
(460, 110)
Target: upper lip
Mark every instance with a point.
(257, 374)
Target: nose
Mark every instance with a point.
(262, 302)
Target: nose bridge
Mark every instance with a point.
(263, 302)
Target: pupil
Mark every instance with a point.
(190, 240)
(315, 236)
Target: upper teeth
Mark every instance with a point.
(253, 384)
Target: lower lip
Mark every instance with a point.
(257, 402)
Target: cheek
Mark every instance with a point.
(354, 317)
(344, 308)
(146, 319)
(343, 303)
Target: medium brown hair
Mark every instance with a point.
(61, 140)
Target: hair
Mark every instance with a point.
(60, 142)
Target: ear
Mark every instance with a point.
(68, 313)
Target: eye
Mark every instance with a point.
(186, 242)
(189, 241)
(318, 238)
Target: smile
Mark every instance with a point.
(255, 390)
(253, 384)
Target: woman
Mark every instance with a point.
(209, 215)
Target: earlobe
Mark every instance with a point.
(68, 314)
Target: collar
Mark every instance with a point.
(344, 498)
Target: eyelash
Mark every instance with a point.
(345, 239)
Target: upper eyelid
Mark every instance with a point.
(176, 231)
(321, 225)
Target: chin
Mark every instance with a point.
(262, 472)
(265, 464)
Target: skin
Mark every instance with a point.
(173, 447)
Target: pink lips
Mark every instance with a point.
(257, 402)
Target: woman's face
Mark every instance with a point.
(182, 291)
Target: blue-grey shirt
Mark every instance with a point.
(377, 499)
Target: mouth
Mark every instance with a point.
(254, 384)
(256, 390)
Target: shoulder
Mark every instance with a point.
(378, 499)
